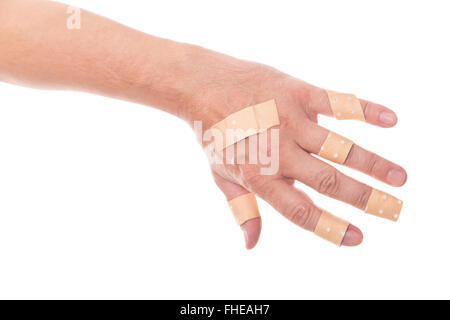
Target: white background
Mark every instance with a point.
(94, 203)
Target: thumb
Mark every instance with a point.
(251, 227)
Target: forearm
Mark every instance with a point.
(102, 57)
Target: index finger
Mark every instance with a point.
(374, 113)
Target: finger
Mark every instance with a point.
(374, 113)
(327, 180)
(358, 158)
(251, 228)
(376, 166)
(299, 209)
(378, 114)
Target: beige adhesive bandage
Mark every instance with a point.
(331, 228)
(384, 205)
(244, 123)
(335, 148)
(244, 208)
(236, 127)
(345, 106)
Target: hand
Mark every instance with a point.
(110, 59)
(225, 85)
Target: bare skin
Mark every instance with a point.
(193, 83)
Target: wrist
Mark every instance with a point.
(215, 85)
(172, 77)
(197, 84)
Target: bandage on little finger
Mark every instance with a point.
(245, 123)
(335, 148)
(331, 228)
(244, 208)
(345, 106)
(384, 205)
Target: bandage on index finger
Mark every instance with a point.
(345, 106)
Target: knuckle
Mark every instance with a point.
(301, 215)
(372, 163)
(328, 182)
(364, 106)
(362, 198)
(252, 179)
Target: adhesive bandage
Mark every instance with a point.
(331, 228)
(236, 127)
(345, 106)
(244, 123)
(384, 205)
(335, 148)
(244, 208)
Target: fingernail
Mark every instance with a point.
(387, 118)
(251, 230)
(353, 236)
(396, 177)
(245, 237)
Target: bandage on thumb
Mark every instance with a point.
(246, 213)
(244, 208)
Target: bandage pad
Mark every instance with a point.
(345, 106)
(335, 148)
(331, 228)
(244, 208)
(384, 205)
(245, 123)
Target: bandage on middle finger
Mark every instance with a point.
(345, 106)
(335, 148)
